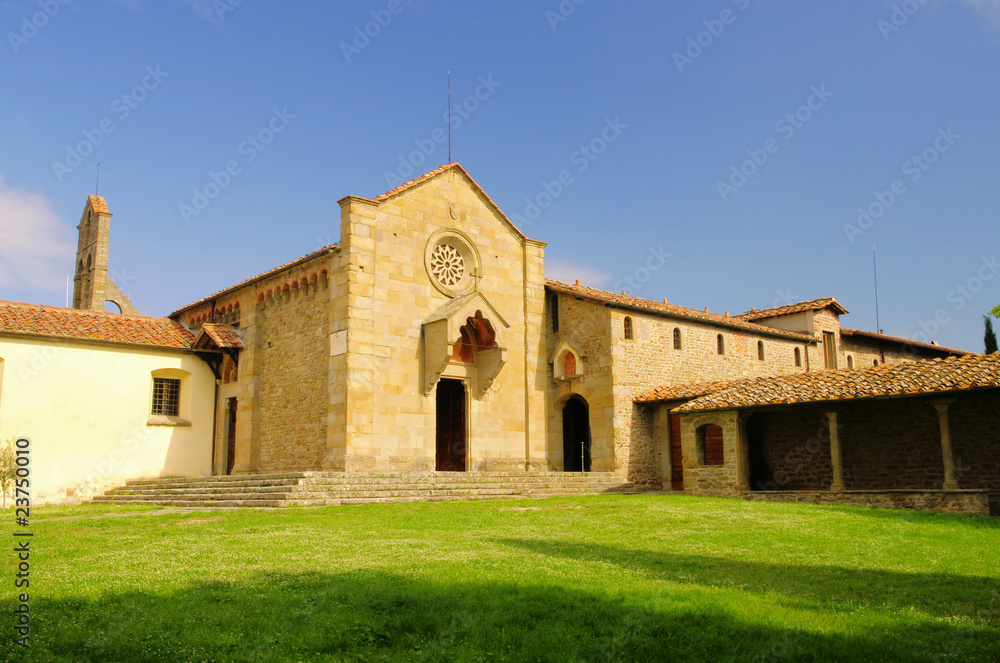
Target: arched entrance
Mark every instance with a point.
(576, 435)
(450, 426)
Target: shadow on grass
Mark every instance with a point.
(387, 617)
(832, 587)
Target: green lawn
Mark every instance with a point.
(610, 578)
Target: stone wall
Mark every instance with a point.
(886, 444)
(975, 438)
(866, 351)
(789, 450)
(716, 480)
(587, 327)
(294, 346)
(650, 360)
(385, 286)
(959, 501)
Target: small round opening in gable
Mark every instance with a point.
(452, 262)
(447, 265)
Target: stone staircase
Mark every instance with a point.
(335, 489)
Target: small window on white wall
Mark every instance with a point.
(166, 396)
(170, 398)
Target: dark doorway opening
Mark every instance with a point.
(576, 435)
(450, 426)
(676, 457)
(230, 435)
(760, 467)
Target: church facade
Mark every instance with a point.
(428, 339)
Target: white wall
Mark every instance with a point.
(86, 409)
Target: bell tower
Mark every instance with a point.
(91, 282)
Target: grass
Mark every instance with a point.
(609, 578)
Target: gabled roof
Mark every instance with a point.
(671, 310)
(98, 204)
(953, 374)
(218, 336)
(259, 277)
(904, 341)
(34, 320)
(813, 305)
(439, 171)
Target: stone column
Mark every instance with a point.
(742, 454)
(949, 460)
(838, 471)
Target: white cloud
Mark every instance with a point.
(36, 246)
(567, 273)
(988, 8)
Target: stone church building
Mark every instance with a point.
(428, 339)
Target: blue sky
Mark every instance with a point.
(711, 153)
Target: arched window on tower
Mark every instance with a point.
(720, 345)
(629, 332)
(760, 350)
(677, 338)
(798, 357)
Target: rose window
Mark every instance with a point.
(447, 265)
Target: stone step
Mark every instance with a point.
(337, 488)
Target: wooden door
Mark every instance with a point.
(450, 426)
(676, 458)
(230, 435)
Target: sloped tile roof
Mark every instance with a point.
(911, 378)
(252, 279)
(673, 310)
(814, 305)
(222, 336)
(683, 391)
(17, 319)
(98, 204)
(903, 341)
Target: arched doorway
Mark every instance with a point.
(576, 435)
(450, 426)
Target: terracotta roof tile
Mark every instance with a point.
(673, 310)
(813, 305)
(246, 282)
(903, 341)
(921, 377)
(222, 336)
(19, 319)
(98, 204)
(684, 391)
